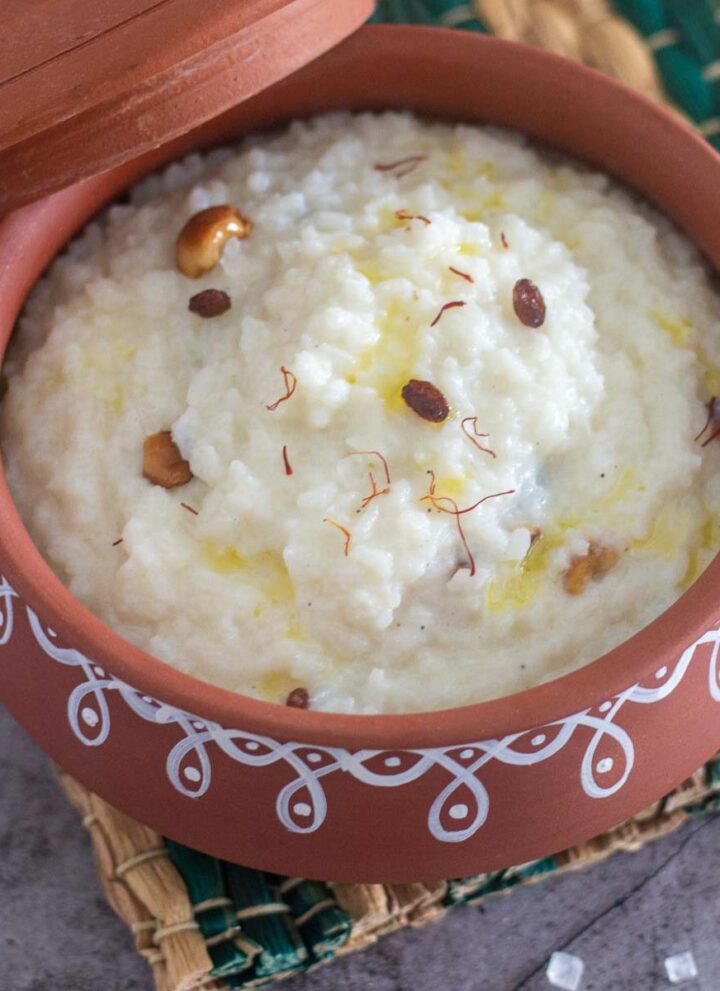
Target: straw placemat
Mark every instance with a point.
(201, 922)
(205, 923)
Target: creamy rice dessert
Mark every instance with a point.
(412, 418)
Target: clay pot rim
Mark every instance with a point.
(634, 661)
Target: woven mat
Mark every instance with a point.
(204, 923)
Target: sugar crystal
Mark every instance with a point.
(681, 967)
(565, 970)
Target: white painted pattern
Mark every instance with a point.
(7, 615)
(457, 812)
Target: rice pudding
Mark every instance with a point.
(373, 415)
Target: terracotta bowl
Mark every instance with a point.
(391, 798)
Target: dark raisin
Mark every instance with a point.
(528, 303)
(298, 698)
(426, 400)
(209, 303)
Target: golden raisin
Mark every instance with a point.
(589, 567)
(603, 559)
(162, 462)
(577, 577)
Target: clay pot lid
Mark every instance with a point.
(85, 86)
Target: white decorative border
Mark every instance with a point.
(458, 811)
(7, 594)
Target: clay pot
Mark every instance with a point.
(391, 798)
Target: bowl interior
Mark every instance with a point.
(455, 76)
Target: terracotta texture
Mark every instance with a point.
(387, 797)
(87, 86)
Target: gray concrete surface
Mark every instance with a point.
(623, 917)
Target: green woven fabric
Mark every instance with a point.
(684, 36)
(447, 13)
(267, 920)
(231, 951)
(322, 925)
